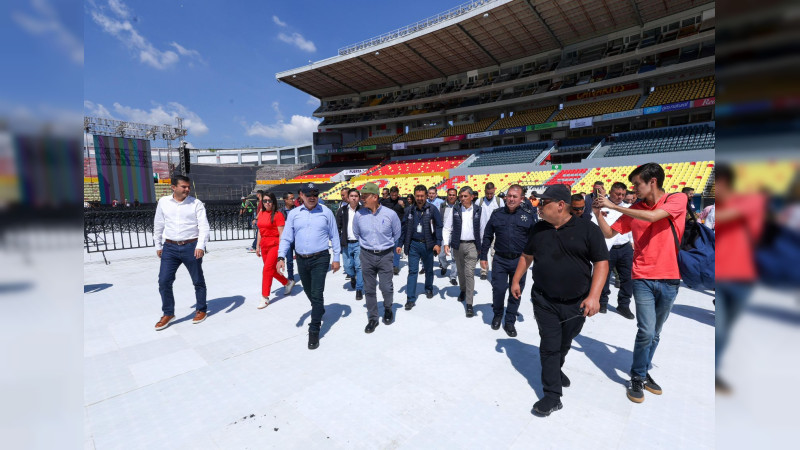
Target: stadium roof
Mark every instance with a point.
(474, 35)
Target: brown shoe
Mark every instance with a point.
(164, 322)
(199, 316)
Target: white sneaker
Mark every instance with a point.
(289, 286)
(263, 303)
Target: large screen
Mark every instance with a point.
(124, 169)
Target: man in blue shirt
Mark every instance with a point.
(433, 198)
(377, 229)
(422, 239)
(310, 227)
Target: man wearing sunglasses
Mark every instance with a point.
(568, 277)
(310, 227)
(577, 205)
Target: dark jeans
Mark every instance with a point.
(555, 337)
(622, 260)
(654, 300)
(502, 273)
(312, 274)
(731, 298)
(290, 262)
(416, 254)
(172, 256)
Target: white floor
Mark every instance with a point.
(244, 378)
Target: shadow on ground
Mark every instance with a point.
(333, 312)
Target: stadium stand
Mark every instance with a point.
(522, 118)
(468, 128)
(426, 165)
(662, 140)
(775, 177)
(597, 108)
(693, 174)
(577, 144)
(511, 154)
(681, 91)
(378, 140)
(420, 134)
(567, 176)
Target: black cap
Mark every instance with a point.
(309, 189)
(556, 192)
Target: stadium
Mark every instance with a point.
(529, 92)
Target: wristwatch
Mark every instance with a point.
(281, 258)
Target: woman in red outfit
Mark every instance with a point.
(270, 227)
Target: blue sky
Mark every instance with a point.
(213, 62)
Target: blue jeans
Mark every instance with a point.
(654, 299)
(419, 252)
(172, 256)
(731, 298)
(395, 255)
(351, 256)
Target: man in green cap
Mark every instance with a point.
(377, 229)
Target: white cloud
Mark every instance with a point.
(298, 131)
(312, 101)
(48, 23)
(278, 21)
(121, 28)
(298, 41)
(278, 114)
(157, 115)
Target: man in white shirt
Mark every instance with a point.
(620, 256)
(461, 232)
(488, 204)
(180, 232)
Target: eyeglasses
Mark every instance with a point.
(544, 202)
(576, 209)
(266, 201)
(312, 195)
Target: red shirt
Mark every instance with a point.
(655, 256)
(737, 238)
(269, 228)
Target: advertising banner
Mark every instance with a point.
(652, 109)
(367, 148)
(676, 106)
(124, 169)
(458, 137)
(622, 114)
(544, 126)
(437, 140)
(580, 123)
(481, 134)
(353, 172)
(711, 101)
(400, 146)
(512, 130)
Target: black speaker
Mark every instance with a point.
(185, 161)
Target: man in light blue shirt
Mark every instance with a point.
(377, 229)
(433, 199)
(310, 227)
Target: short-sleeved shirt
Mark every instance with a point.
(736, 239)
(655, 256)
(563, 257)
(269, 227)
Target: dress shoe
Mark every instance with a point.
(564, 380)
(511, 331)
(470, 311)
(603, 309)
(396, 270)
(359, 295)
(625, 312)
(371, 326)
(409, 305)
(496, 321)
(547, 405)
(164, 322)
(462, 296)
(453, 281)
(313, 340)
(353, 283)
(429, 293)
(443, 271)
(347, 277)
(421, 271)
(287, 290)
(199, 316)
(483, 276)
(388, 316)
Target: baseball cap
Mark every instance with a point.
(556, 192)
(370, 188)
(309, 189)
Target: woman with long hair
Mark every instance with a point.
(270, 226)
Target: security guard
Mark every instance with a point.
(508, 228)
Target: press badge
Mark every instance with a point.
(419, 228)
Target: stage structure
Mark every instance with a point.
(123, 156)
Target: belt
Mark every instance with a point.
(352, 241)
(615, 247)
(508, 255)
(558, 299)
(468, 242)
(188, 241)
(419, 240)
(313, 255)
(377, 252)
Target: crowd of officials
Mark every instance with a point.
(573, 242)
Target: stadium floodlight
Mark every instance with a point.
(485, 15)
(377, 53)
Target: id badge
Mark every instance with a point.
(419, 228)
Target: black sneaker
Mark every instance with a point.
(359, 295)
(388, 316)
(483, 276)
(371, 325)
(603, 309)
(421, 271)
(313, 340)
(636, 390)
(353, 283)
(409, 305)
(462, 296)
(470, 311)
(547, 405)
(453, 281)
(443, 271)
(721, 387)
(625, 312)
(347, 277)
(565, 380)
(496, 321)
(651, 385)
(396, 270)
(511, 331)
(429, 293)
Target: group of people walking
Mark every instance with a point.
(571, 253)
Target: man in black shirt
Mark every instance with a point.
(565, 290)
(508, 227)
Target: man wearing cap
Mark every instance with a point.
(489, 203)
(377, 229)
(309, 227)
(350, 248)
(565, 288)
(508, 229)
(421, 238)
(461, 232)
